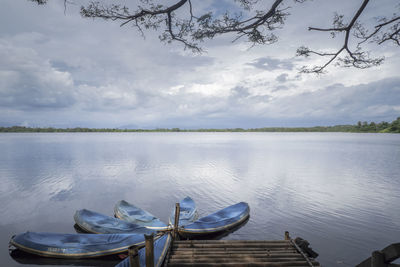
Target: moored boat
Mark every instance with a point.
(97, 223)
(130, 213)
(75, 245)
(188, 212)
(220, 221)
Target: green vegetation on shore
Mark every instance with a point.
(360, 127)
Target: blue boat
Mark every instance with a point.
(130, 213)
(188, 212)
(97, 223)
(76, 246)
(161, 247)
(219, 221)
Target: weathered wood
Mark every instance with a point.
(302, 253)
(391, 253)
(176, 222)
(231, 241)
(233, 245)
(233, 259)
(378, 259)
(243, 259)
(247, 246)
(242, 264)
(149, 245)
(238, 249)
(236, 253)
(133, 256)
(287, 237)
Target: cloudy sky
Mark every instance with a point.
(65, 71)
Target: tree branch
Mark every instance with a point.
(356, 58)
(256, 23)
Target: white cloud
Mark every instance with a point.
(58, 70)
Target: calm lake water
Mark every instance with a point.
(339, 191)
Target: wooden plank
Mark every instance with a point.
(221, 253)
(237, 259)
(242, 264)
(216, 255)
(216, 244)
(236, 249)
(233, 245)
(242, 259)
(391, 253)
(235, 255)
(230, 241)
(302, 253)
(378, 259)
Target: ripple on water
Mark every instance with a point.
(339, 191)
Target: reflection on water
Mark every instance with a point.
(26, 258)
(338, 191)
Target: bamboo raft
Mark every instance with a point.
(237, 253)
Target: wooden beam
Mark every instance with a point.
(149, 245)
(133, 256)
(176, 222)
(378, 259)
(287, 237)
(390, 253)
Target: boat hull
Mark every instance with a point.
(76, 246)
(223, 220)
(188, 212)
(97, 223)
(130, 213)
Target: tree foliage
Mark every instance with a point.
(360, 127)
(254, 20)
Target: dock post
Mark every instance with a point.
(378, 259)
(149, 245)
(176, 222)
(287, 237)
(133, 256)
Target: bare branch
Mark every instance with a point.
(352, 58)
(148, 18)
(251, 19)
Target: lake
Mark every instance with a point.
(340, 191)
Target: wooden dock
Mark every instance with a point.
(237, 253)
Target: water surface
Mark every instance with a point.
(339, 191)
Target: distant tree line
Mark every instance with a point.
(360, 127)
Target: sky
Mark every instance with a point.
(58, 69)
